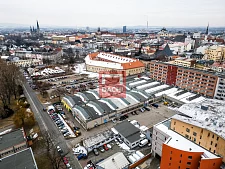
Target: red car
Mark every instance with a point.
(65, 160)
(105, 147)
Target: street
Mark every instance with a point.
(47, 125)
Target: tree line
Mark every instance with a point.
(10, 88)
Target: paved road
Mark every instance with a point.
(46, 124)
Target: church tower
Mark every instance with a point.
(38, 28)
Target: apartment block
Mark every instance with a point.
(162, 72)
(203, 124)
(220, 88)
(215, 53)
(178, 152)
(198, 81)
(185, 62)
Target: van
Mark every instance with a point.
(143, 143)
(131, 159)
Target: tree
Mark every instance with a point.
(58, 92)
(22, 118)
(51, 150)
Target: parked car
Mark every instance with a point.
(76, 128)
(80, 156)
(60, 151)
(65, 160)
(105, 147)
(95, 151)
(109, 146)
(147, 108)
(101, 149)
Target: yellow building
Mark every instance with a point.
(215, 52)
(184, 62)
(203, 124)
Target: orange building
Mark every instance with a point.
(173, 158)
(178, 152)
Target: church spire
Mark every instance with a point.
(207, 30)
(38, 26)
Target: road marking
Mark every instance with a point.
(36, 108)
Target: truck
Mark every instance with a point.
(143, 143)
(155, 105)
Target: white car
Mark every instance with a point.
(109, 146)
(68, 165)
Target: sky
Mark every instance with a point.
(114, 13)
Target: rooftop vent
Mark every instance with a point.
(204, 108)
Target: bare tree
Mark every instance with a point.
(51, 150)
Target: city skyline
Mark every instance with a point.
(119, 13)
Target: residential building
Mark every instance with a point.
(203, 124)
(96, 62)
(197, 35)
(178, 152)
(26, 63)
(184, 62)
(162, 72)
(20, 160)
(220, 88)
(216, 53)
(12, 142)
(198, 81)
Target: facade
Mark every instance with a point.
(203, 125)
(97, 62)
(198, 81)
(220, 88)
(178, 152)
(216, 53)
(185, 62)
(201, 82)
(12, 142)
(166, 73)
(26, 63)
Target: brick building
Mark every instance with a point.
(198, 81)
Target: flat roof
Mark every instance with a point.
(177, 141)
(128, 130)
(115, 161)
(20, 160)
(208, 114)
(12, 138)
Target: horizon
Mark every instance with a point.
(174, 13)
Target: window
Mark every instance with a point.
(180, 161)
(188, 130)
(200, 137)
(170, 158)
(174, 123)
(213, 136)
(194, 133)
(181, 155)
(217, 138)
(210, 149)
(199, 143)
(211, 143)
(189, 157)
(194, 139)
(215, 145)
(188, 163)
(187, 136)
(208, 134)
(171, 152)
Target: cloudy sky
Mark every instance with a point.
(113, 13)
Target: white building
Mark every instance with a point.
(220, 88)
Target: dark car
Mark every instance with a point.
(76, 128)
(101, 149)
(95, 151)
(146, 108)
